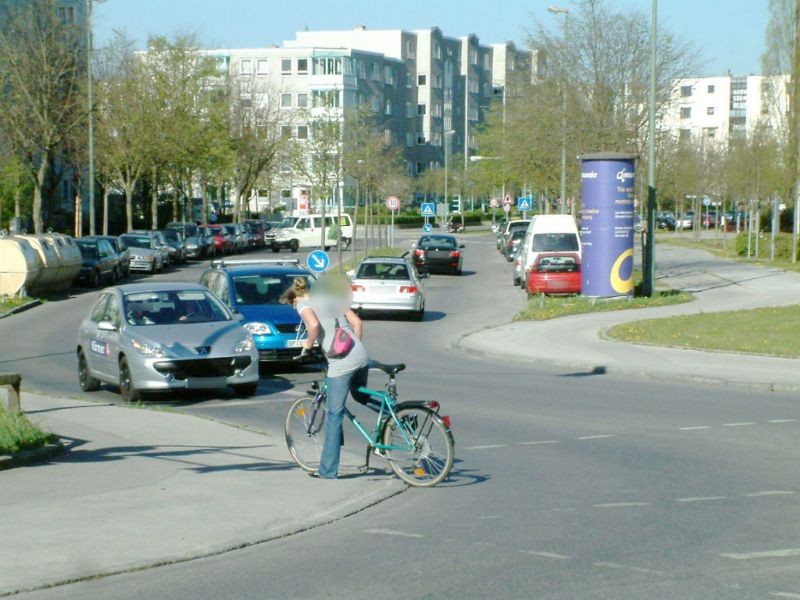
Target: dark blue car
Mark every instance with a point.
(254, 288)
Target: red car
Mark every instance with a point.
(221, 238)
(555, 273)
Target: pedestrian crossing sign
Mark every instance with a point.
(524, 203)
(428, 209)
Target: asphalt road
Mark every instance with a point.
(567, 485)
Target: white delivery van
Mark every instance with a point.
(548, 233)
(305, 231)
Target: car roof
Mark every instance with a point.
(438, 236)
(158, 286)
(263, 270)
(391, 259)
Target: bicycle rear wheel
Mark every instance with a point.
(305, 432)
(427, 446)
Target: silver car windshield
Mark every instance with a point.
(391, 271)
(136, 241)
(173, 307)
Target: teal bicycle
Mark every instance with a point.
(412, 436)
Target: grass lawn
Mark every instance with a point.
(12, 302)
(767, 331)
(728, 250)
(18, 433)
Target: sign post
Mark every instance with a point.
(393, 204)
(507, 204)
(494, 203)
(427, 210)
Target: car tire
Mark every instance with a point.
(85, 379)
(418, 315)
(95, 279)
(245, 390)
(127, 388)
(294, 245)
(275, 248)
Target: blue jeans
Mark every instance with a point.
(338, 387)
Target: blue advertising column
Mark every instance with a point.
(607, 182)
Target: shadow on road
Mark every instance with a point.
(600, 370)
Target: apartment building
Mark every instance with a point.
(719, 110)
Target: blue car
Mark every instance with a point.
(253, 288)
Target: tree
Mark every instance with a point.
(42, 68)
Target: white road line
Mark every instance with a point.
(769, 493)
(611, 565)
(783, 421)
(539, 442)
(784, 595)
(596, 437)
(392, 532)
(701, 499)
(489, 517)
(695, 428)
(487, 447)
(544, 554)
(738, 424)
(620, 504)
(788, 553)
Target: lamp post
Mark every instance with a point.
(447, 134)
(650, 249)
(558, 10)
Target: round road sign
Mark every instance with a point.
(494, 202)
(393, 203)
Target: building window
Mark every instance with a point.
(711, 89)
(410, 49)
(246, 66)
(326, 98)
(388, 108)
(286, 194)
(420, 168)
(286, 66)
(422, 80)
(66, 15)
(710, 110)
(302, 66)
(286, 132)
(437, 51)
(262, 66)
(473, 56)
(421, 140)
(376, 72)
(286, 101)
(437, 81)
(436, 110)
(328, 66)
(302, 132)
(422, 110)
(685, 135)
(375, 104)
(711, 132)
(686, 112)
(302, 100)
(409, 110)
(409, 139)
(388, 75)
(686, 91)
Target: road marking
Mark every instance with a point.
(784, 595)
(545, 554)
(540, 442)
(611, 565)
(488, 517)
(783, 421)
(487, 447)
(769, 493)
(596, 437)
(788, 553)
(737, 424)
(392, 532)
(620, 504)
(695, 428)
(701, 499)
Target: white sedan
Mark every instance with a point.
(388, 284)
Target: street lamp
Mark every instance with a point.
(446, 165)
(90, 102)
(557, 10)
(650, 250)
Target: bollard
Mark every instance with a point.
(14, 382)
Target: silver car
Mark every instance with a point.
(150, 337)
(388, 285)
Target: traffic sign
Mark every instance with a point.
(318, 261)
(494, 202)
(507, 199)
(428, 209)
(706, 201)
(393, 203)
(523, 203)
(427, 228)
(506, 207)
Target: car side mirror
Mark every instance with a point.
(424, 275)
(106, 326)
(237, 316)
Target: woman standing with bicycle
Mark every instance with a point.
(330, 321)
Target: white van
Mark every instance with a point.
(306, 232)
(549, 233)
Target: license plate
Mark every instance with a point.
(294, 343)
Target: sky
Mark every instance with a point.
(729, 33)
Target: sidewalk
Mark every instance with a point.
(139, 487)
(577, 342)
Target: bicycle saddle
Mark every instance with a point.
(391, 370)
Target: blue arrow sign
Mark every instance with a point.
(318, 261)
(523, 203)
(428, 209)
(427, 228)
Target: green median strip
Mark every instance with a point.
(765, 331)
(10, 303)
(17, 433)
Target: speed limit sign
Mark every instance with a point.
(494, 202)
(393, 203)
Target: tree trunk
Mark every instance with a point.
(38, 184)
(17, 209)
(154, 200)
(203, 202)
(355, 221)
(105, 209)
(127, 189)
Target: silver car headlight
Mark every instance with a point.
(149, 350)
(191, 246)
(258, 328)
(246, 345)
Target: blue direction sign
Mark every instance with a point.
(428, 209)
(524, 203)
(318, 261)
(427, 228)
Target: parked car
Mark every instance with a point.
(555, 273)
(122, 252)
(239, 236)
(256, 229)
(685, 221)
(666, 222)
(438, 253)
(223, 244)
(306, 232)
(209, 236)
(176, 245)
(388, 284)
(150, 337)
(508, 227)
(549, 233)
(254, 288)
(519, 270)
(512, 241)
(99, 262)
(196, 243)
(145, 253)
(161, 244)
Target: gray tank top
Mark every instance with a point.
(327, 317)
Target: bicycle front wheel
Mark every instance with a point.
(424, 446)
(305, 432)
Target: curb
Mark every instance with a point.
(347, 509)
(31, 456)
(23, 308)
